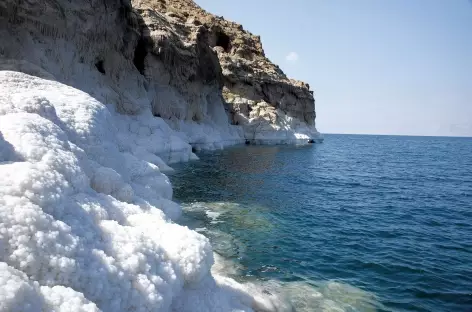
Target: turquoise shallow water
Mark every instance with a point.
(389, 215)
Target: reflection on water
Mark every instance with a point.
(250, 160)
(250, 163)
(233, 227)
(235, 174)
(388, 215)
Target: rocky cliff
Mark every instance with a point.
(187, 65)
(257, 94)
(96, 98)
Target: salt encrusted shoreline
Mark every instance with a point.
(96, 99)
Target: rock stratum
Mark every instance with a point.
(186, 64)
(97, 97)
(257, 94)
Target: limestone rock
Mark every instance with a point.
(247, 73)
(172, 56)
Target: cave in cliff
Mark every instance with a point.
(223, 40)
(100, 66)
(140, 55)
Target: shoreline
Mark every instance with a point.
(92, 115)
(93, 176)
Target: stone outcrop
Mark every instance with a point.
(96, 98)
(172, 57)
(256, 91)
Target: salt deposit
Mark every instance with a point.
(86, 214)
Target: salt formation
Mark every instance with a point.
(85, 218)
(96, 99)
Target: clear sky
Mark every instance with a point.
(376, 66)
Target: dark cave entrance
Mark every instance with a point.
(100, 66)
(223, 40)
(140, 55)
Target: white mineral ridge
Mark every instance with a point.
(86, 213)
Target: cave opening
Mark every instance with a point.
(100, 66)
(223, 40)
(140, 53)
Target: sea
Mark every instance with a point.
(356, 223)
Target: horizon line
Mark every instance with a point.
(406, 135)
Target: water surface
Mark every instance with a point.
(389, 216)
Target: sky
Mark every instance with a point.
(375, 66)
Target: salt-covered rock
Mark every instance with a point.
(97, 98)
(85, 226)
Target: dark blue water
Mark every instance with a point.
(389, 215)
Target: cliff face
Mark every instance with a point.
(96, 98)
(257, 94)
(185, 64)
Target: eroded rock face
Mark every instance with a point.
(168, 56)
(256, 91)
(179, 57)
(96, 98)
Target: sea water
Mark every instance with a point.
(357, 223)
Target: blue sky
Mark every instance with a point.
(376, 66)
